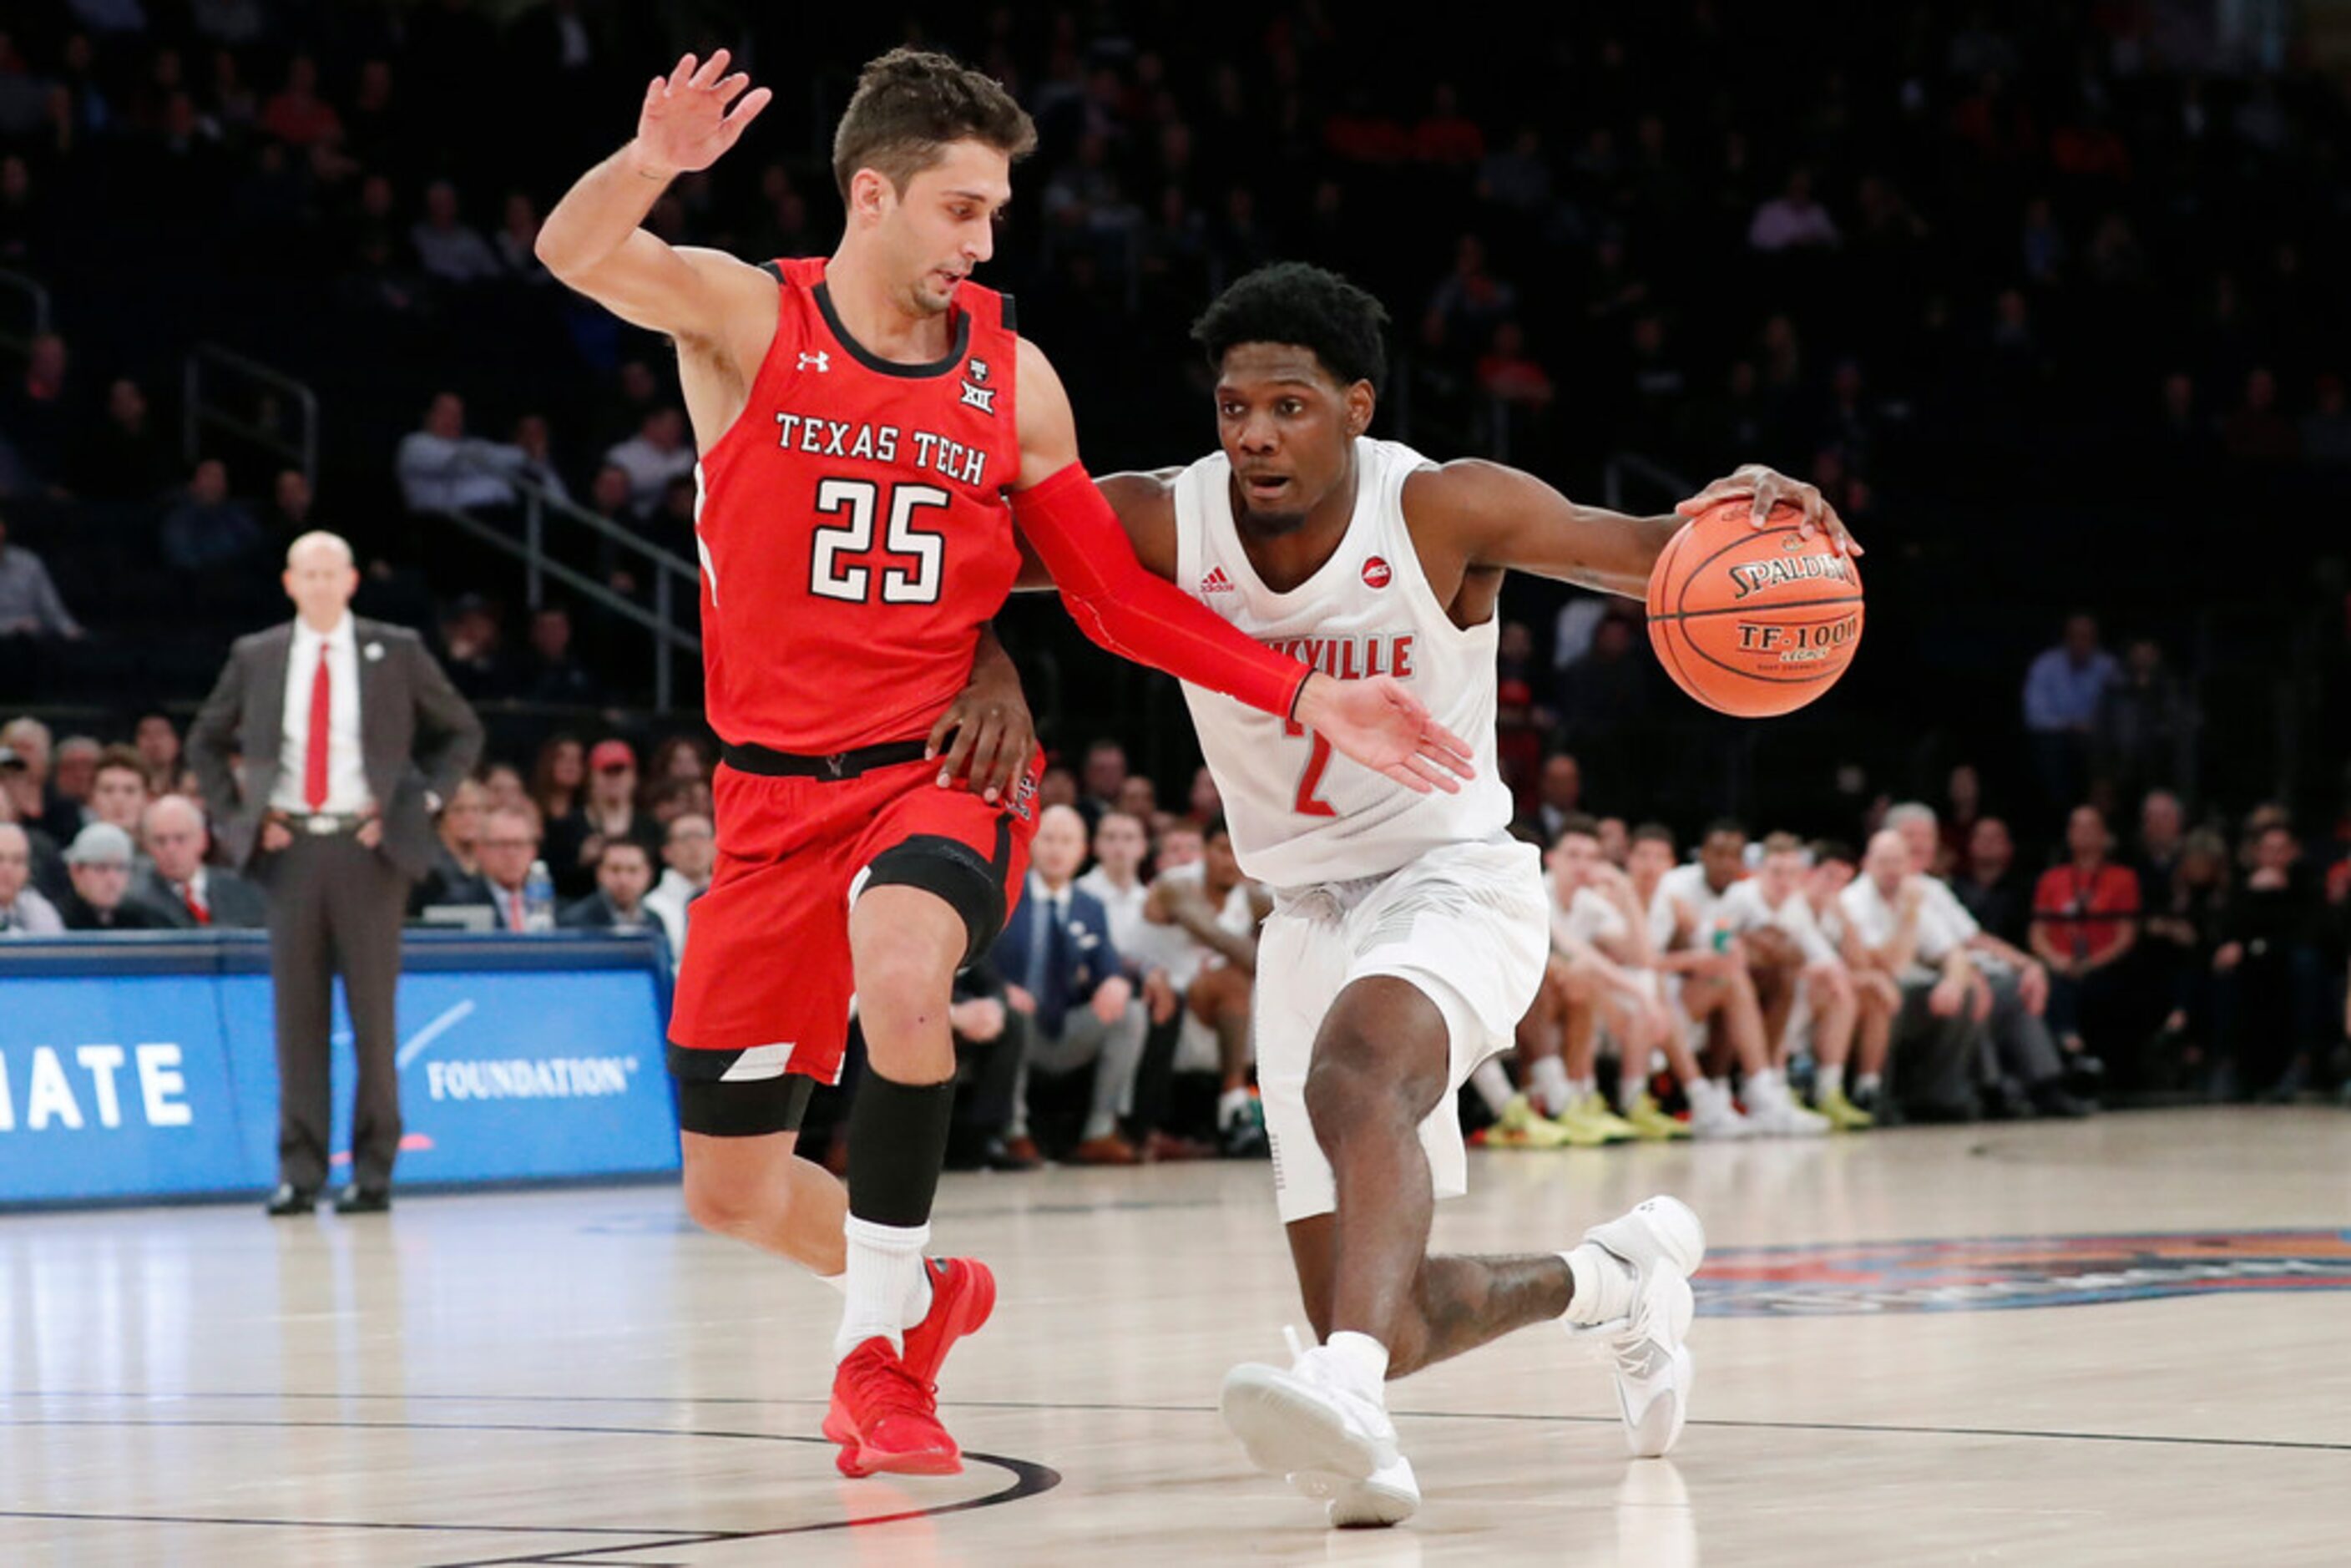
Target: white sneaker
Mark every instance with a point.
(1663, 1243)
(1311, 1424)
(1713, 1115)
(1389, 1496)
(1773, 1112)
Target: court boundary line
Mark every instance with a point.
(1028, 1478)
(1726, 1424)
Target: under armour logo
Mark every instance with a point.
(820, 360)
(980, 398)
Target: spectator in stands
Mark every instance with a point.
(689, 854)
(27, 749)
(1988, 885)
(1560, 795)
(157, 740)
(625, 874)
(2084, 925)
(179, 888)
(74, 774)
(2269, 965)
(1101, 778)
(1203, 804)
(558, 777)
(2327, 428)
(98, 861)
(23, 911)
(576, 843)
(1468, 305)
(1508, 374)
(118, 790)
(456, 873)
(1064, 977)
(509, 842)
(1139, 799)
(2186, 913)
(535, 439)
(656, 454)
(470, 639)
(124, 458)
(990, 1042)
(2146, 726)
(295, 114)
(549, 673)
(441, 468)
(680, 757)
(290, 505)
(2162, 838)
(1793, 220)
(29, 605)
(1604, 702)
(446, 246)
(208, 529)
(2256, 432)
(1208, 914)
(2063, 691)
(39, 414)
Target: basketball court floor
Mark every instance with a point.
(2117, 1341)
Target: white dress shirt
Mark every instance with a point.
(667, 903)
(1124, 907)
(1872, 921)
(347, 785)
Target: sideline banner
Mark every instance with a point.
(135, 1067)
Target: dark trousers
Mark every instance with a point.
(1937, 1064)
(335, 908)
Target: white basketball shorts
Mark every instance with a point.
(1467, 924)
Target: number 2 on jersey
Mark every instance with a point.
(899, 585)
(1310, 801)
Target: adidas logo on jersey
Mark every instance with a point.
(1216, 582)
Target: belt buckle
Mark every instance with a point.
(322, 826)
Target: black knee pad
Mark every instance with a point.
(971, 883)
(711, 1105)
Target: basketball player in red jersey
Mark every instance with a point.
(871, 430)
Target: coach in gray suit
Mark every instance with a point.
(349, 737)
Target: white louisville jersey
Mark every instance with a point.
(1300, 812)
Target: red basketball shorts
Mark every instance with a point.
(765, 985)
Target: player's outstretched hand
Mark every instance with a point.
(1767, 487)
(1387, 730)
(685, 124)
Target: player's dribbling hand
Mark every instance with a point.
(1387, 730)
(1767, 487)
(685, 124)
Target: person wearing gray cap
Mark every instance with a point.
(348, 736)
(98, 861)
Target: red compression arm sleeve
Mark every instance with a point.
(1135, 615)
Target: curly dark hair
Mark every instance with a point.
(909, 104)
(1291, 302)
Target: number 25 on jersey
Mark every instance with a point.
(912, 560)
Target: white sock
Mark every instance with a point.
(1828, 1081)
(886, 1275)
(1767, 1086)
(1706, 1096)
(1630, 1087)
(1493, 1085)
(1231, 1103)
(1865, 1083)
(1364, 1359)
(1552, 1084)
(1604, 1284)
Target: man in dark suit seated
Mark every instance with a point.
(100, 864)
(1063, 978)
(625, 874)
(179, 888)
(455, 873)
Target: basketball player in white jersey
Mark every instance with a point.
(1404, 942)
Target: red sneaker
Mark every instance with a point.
(962, 1295)
(887, 1419)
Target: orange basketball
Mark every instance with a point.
(1753, 622)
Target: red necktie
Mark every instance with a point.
(322, 714)
(514, 909)
(195, 905)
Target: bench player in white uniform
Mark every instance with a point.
(1814, 997)
(1409, 933)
